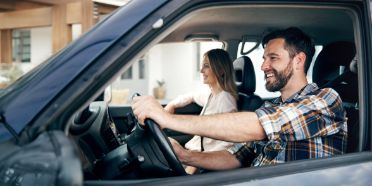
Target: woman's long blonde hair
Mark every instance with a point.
(222, 67)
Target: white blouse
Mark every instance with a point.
(221, 103)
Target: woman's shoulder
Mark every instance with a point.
(226, 101)
(223, 95)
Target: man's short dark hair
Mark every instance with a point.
(296, 41)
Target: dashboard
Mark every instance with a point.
(109, 153)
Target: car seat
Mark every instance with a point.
(245, 78)
(335, 67)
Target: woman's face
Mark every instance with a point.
(208, 76)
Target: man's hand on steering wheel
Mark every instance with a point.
(145, 107)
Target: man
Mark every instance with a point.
(304, 122)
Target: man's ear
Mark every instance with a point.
(300, 60)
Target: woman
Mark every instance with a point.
(217, 70)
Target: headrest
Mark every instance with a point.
(327, 64)
(244, 75)
(354, 65)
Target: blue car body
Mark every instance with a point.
(46, 97)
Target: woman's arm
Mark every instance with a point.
(184, 100)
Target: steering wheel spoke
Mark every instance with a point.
(165, 146)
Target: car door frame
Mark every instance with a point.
(291, 171)
(99, 73)
(263, 172)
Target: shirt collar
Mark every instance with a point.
(304, 91)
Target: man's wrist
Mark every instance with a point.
(164, 119)
(186, 157)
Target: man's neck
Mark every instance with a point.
(294, 85)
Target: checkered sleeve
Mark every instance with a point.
(311, 116)
(243, 152)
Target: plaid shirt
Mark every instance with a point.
(309, 124)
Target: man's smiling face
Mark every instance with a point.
(277, 65)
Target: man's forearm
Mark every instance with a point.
(218, 160)
(234, 127)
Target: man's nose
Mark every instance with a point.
(265, 65)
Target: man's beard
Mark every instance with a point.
(281, 78)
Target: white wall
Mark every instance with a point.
(175, 64)
(76, 31)
(155, 66)
(134, 85)
(41, 47)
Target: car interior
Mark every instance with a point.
(114, 146)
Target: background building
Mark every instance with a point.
(33, 30)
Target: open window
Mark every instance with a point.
(172, 61)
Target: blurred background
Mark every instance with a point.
(33, 30)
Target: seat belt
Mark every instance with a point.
(205, 108)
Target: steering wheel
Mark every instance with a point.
(165, 146)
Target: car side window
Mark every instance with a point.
(165, 71)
